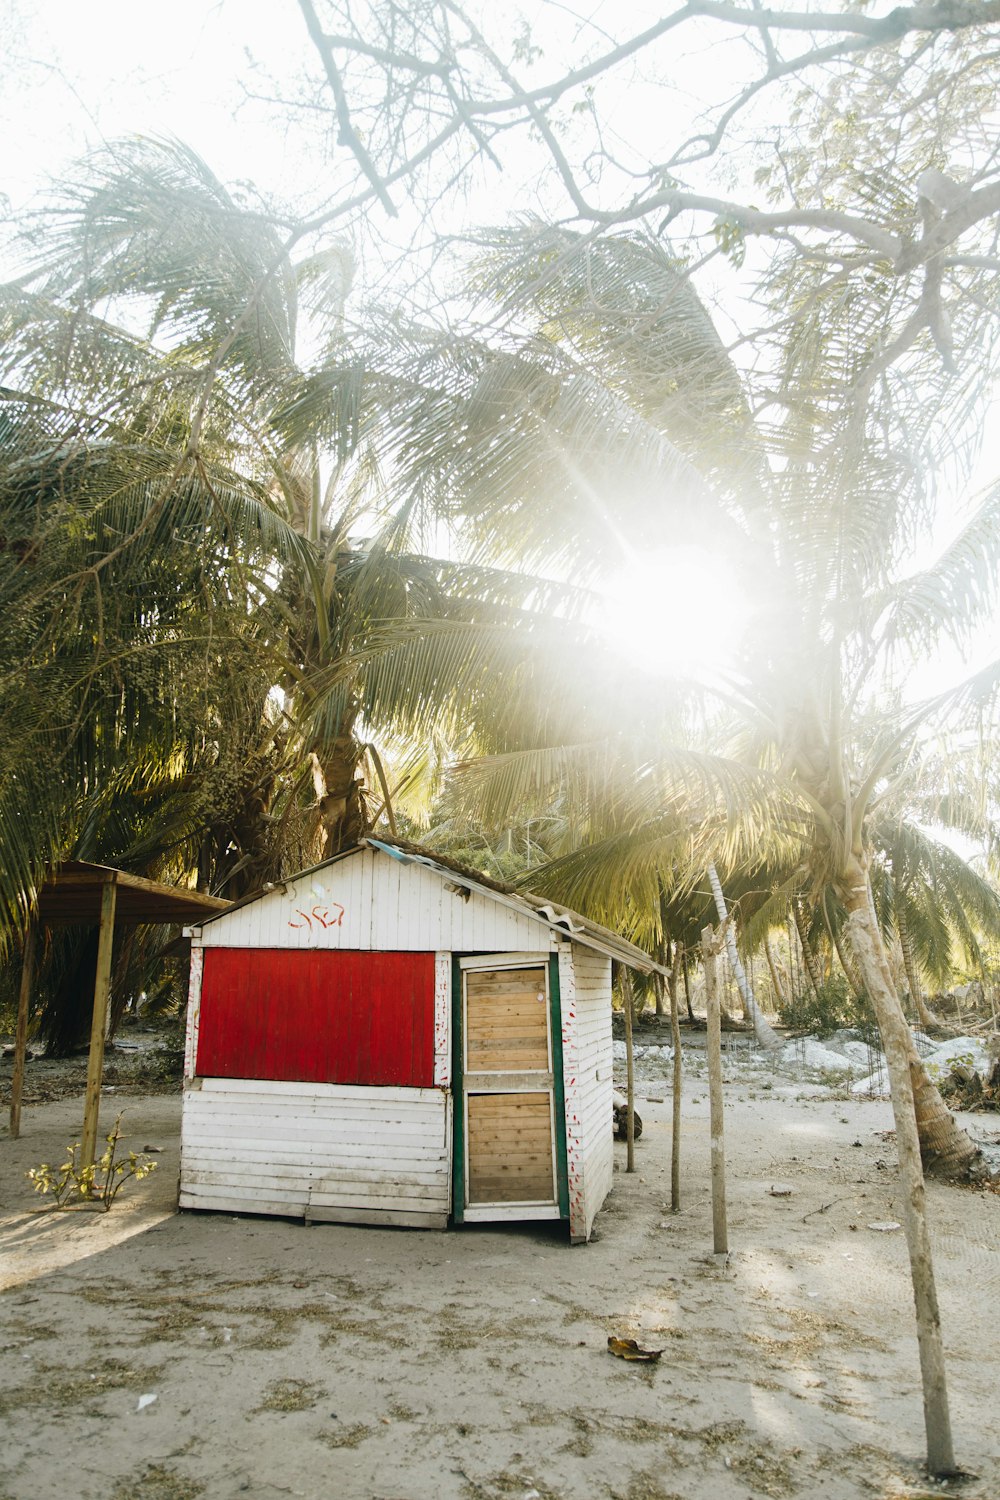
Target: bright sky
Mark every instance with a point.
(74, 75)
(77, 75)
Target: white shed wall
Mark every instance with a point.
(371, 901)
(585, 994)
(383, 1155)
(317, 1151)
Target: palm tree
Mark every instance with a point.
(187, 598)
(823, 503)
(825, 485)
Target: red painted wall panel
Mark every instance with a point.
(317, 1017)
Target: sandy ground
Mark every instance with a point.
(397, 1365)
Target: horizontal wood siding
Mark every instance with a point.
(506, 1021)
(360, 1155)
(370, 901)
(510, 1148)
(593, 1061)
(355, 1018)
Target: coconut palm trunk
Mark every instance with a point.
(764, 1032)
(866, 944)
(665, 957)
(945, 1148)
(808, 956)
(687, 984)
(925, 1016)
(847, 963)
(341, 814)
(779, 993)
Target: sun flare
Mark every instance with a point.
(676, 612)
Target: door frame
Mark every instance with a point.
(459, 963)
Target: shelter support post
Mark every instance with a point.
(98, 1026)
(720, 1235)
(629, 1072)
(675, 1123)
(21, 1034)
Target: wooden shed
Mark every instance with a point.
(387, 1039)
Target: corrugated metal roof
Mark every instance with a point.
(559, 919)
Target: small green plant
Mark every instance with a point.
(98, 1184)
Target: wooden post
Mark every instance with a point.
(866, 945)
(21, 1035)
(98, 1026)
(719, 1233)
(629, 1073)
(675, 1133)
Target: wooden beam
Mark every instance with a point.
(98, 1025)
(629, 1072)
(675, 1123)
(21, 1035)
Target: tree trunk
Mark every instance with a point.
(672, 978)
(779, 994)
(764, 1033)
(341, 813)
(808, 956)
(666, 958)
(848, 965)
(946, 1149)
(866, 944)
(687, 984)
(924, 1015)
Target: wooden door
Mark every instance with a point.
(508, 1093)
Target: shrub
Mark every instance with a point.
(821, 1012)
(99, 1184)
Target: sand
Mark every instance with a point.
(404, 1365)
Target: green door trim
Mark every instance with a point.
(558, 1087)
(457, 1095)
(458, 1087)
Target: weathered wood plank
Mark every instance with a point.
(496, 1213)
(376, 1195)
(209, 1201)
(204, 1168)
(390, 1218)
(263, 1086)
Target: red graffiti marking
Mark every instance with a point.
(324, 915)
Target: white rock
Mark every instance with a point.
(807, 1052)
(859, 1053)
(876, 1083)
